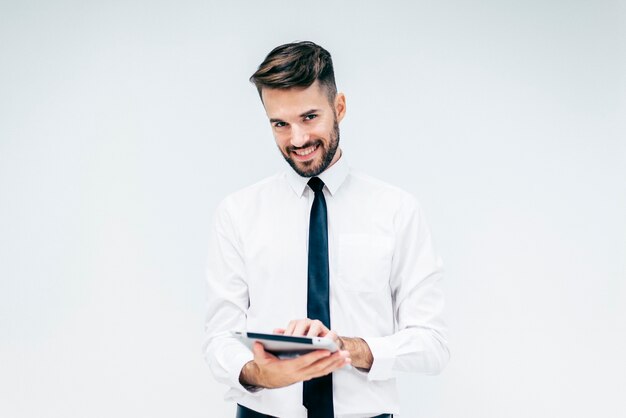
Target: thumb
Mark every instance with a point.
(336, 338)
(259, 352)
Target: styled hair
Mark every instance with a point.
(296, 64)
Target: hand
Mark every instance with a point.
(359, 352)
(310, 328)
(268, 371)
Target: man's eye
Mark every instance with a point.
(279, 124)
(311, 116)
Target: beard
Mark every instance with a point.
(311, 168)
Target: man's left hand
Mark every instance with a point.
(309, 328)
(360, 352)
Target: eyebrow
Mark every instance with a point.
(303, 114)
(308, 112)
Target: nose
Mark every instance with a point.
(299, 135)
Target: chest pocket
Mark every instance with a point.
(364, 261)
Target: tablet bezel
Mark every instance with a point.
(286, 346)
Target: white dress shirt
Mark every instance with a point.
(384, 276)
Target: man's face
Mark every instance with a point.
(306, 126)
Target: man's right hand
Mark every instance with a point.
(268, 371)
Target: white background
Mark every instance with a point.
(122, 124)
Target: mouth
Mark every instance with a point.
(305, 154)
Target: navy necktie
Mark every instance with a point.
(317, 396)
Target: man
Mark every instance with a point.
(320, 250)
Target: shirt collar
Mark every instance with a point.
(333, 177)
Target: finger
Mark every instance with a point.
(259, 352)
(336, 338)
(322, 326)
(307, 359)
(327, 365)
(257, 348)
(316, 329)
(341, 357)
(302, 327)
(290, 327)
(324, 366)
(279, 330)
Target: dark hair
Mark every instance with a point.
(296, 64)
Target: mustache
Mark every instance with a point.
(291, 148)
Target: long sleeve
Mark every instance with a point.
(227, 303)
(419, 344)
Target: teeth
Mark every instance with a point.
(306, 151)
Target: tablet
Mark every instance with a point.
(286, 346)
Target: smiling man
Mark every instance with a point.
(320, 250)
(309, 140)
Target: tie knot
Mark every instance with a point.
(316, 184)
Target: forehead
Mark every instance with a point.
(283, 103)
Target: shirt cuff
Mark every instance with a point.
(237, 364)
(384, 358)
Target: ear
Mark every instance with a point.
(340, 106)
